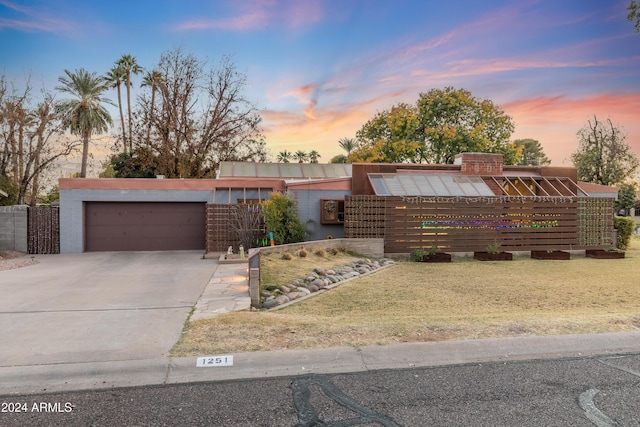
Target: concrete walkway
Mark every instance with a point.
(227, 291)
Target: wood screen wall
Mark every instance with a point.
(219, 233)
(466, 224)
(43, 230)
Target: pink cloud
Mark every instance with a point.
(259, 14)
(554, 121)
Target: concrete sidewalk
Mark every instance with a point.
(81, 376)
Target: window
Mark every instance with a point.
(331, 211)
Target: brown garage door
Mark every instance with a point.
(127, 226)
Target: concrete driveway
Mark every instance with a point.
(98, 307)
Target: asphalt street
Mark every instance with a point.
(590, 391)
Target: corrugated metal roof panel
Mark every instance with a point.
(284, 170)
(428, 185)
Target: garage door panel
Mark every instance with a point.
(131, 226)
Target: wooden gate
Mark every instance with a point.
(43, 232)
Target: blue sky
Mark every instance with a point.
(319, 69)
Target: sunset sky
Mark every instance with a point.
(319, 69)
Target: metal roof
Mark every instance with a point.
(429, 185)
(284, 170)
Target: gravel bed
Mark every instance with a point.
(10, 260)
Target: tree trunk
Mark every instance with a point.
(85, 155)
(124, 134)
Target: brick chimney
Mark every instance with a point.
(479, 163)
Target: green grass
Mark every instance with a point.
(430, 302)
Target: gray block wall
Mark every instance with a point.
(308, 202)
(72, 209)
(13, 228)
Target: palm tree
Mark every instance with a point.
(347, 144)
(284, 156)
(300, 156)
(152, 79)
(115, 78)
(129, 65)
(84, 115)
(314, 156)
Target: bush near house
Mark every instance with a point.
(625, 227)
(281, 218)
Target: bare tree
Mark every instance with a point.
(31, 140)
(248, 224)
(198, 118)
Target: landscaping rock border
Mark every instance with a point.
(277, 296)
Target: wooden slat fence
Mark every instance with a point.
(466, 224)
(224, 222)
(43, 233)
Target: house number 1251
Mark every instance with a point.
(211, 361)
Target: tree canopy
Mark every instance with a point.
(633, 14)
(531, 152)
(85, 113)
(627, 196)
(603, 157)
(190, 117)
(441, 124)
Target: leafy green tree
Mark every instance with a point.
(132, 165)
(85, 114)
(531, 152)
(340, 158)
(52, 195)
(129, 65)
(440, 125)
(8, 186)
(627, 197)
(281, 218)
(284, 156)
(633, 14)
(603, 157)
(453, 121)
(392, 136)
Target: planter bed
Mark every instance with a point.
(486, 256)
(603, 254)
(559, 255)
(437, 257)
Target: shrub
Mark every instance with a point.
(416, 255)
(494, 248)
(281, 218)
(321, 253)
(302, 253)
(286, 256)
(334, 251)
(625, 227)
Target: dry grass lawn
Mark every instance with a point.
(432, 302)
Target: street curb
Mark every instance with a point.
(257, 365)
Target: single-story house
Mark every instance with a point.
(459, 207)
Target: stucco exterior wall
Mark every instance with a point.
(309, 210)
(72, 210)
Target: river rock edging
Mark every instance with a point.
(318, 281)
